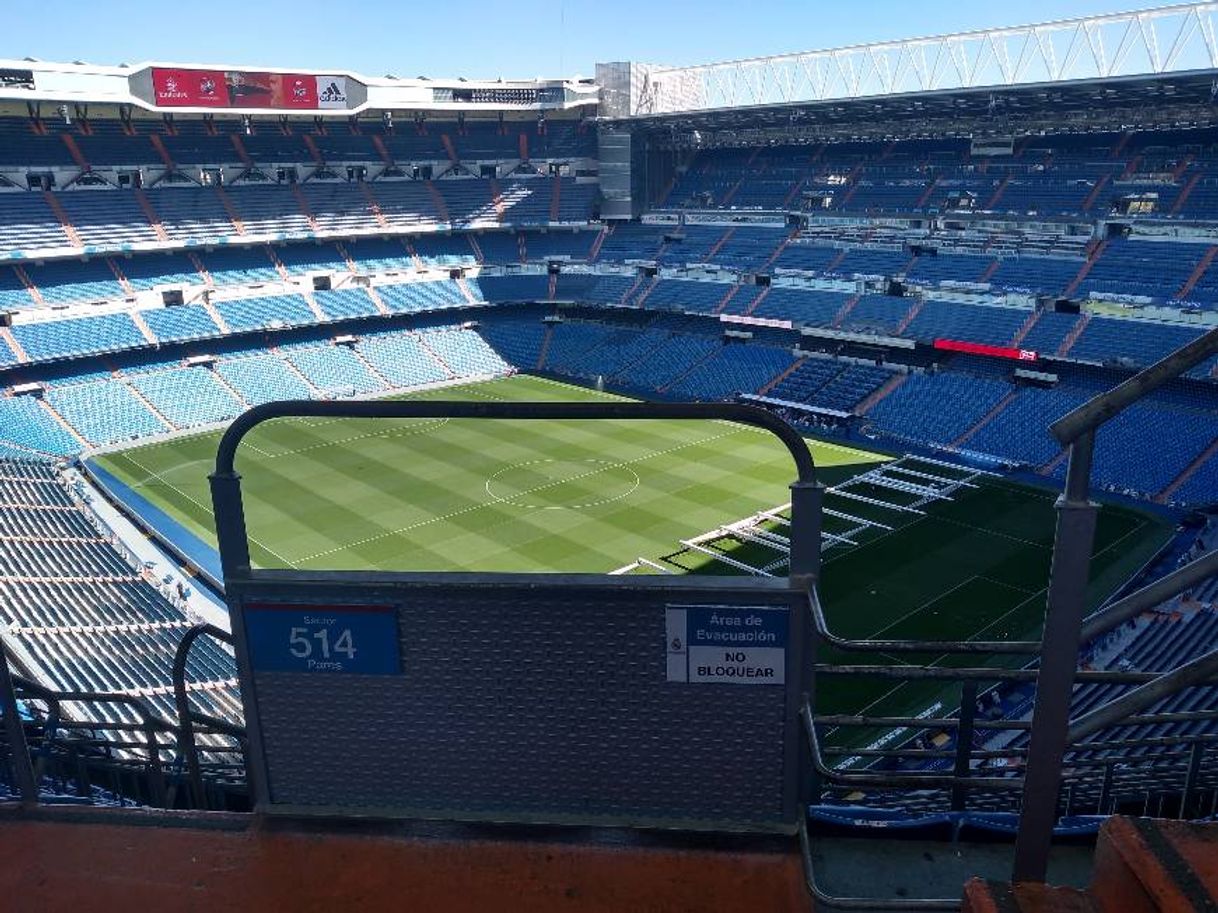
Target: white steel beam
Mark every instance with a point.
(1146, 42)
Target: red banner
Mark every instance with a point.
(244, 89)
(977, 348)
(189, 89)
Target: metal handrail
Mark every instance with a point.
(187, 717)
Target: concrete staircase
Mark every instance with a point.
(28, 283)
(1142, 865)
(61, 214)
(1198, 272)
(1188, 472)
(234, 215)
(1022, 333)
(1085, 269)
(1072, 337)
(153, 217)
(882, 393)
(994, 412)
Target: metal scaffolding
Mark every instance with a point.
(1170, 39)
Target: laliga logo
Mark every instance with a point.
(207, 86)
(298, 89)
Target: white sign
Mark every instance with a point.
(739, 645)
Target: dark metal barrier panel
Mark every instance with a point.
(667, 702)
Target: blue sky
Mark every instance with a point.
(478, 38)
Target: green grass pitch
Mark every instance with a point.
(593, 497)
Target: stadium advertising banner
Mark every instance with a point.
(178, 88)
(976, 348)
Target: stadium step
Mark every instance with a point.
(597, 242)
(162, 153)
(374, 205)
(1156, 866)
(376, 299)
(1181, 198)
(523, 145)
(382, 150)
(727, 298)
(314, 392)
(147, 404)
(522, 245)
(203, 271)
(638, 302)
(385, 382)
(927, 193)
(234, 214)
(1050, 467)
(718, 245)
(140, 324)
(914, 310)
(837, 260)
(555, 198)
(756, 302)
(1187, 473)
(128, 859)
(11, 341)
(544, 351)
(74, 150)
(877, 395)
(1132, 168)
(697, 363)
(626, 296)
(28, 283)
(426, 347)
(476, 248)
(844, 311)
(216, 317)
(352, 267)
(552, 287)
(242, 152)
(1121, 143)
(982, 896)
(1095, 192)
(794, 192)
(1198, 272)
(782, 245)
(304, 207)
(464, 286)
(773, 382)
(278, 264)
(1022, 333)
(1182, 166)
(150, 213)
(1072, 337)
(438, 201)
(66, 223)
(988, 274)
(120, 278)
(311, 301)
(314, 152)
(994, 412)
(992, 202)
(1086, 268)
(233, 391)
(450, 149)
(414, 254)
(497, 200)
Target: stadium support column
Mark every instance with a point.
(617, 174)
(1068, 576)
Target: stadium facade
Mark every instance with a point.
(934, 248)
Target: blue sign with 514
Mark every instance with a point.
(334, 639)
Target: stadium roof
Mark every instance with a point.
(1175, 39)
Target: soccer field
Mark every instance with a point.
(593, 497)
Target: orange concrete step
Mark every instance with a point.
(1143, 864)
(982, 896)
(236, 865)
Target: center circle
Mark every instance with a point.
(562, 484)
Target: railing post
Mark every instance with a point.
(23, 767)
(1195, 753)
(964, 742)
(1068, 577)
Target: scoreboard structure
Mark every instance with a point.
(649, 702)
